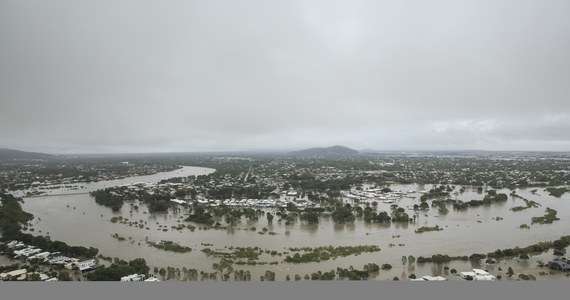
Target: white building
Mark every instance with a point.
(59, 260)
(482, 275)
(484, 278)
(467, 274)
(430, 278)
(15, 244)
(178, 201)
(13, 274)
(41, 256)
(133, 277)
(152, 279)
(480, 272)
(86, 265)
(478, 275)
(292, 193)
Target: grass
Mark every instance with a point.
(548, 218)
(169, 246)
(427, 229)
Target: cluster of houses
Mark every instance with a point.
(482, 275)
(299, 203)
(23, 251)
(289, 196)
(23, 274)
(376, 195)
(282, 195)
(254, 203)
(474, 275)
(73, 263)
(40, 182)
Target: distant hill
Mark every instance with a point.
(326, 151)
(9, 154)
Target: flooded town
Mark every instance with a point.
(284, 149)
(324, 215)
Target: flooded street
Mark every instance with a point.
(78, 220)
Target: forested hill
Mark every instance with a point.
(10, 154)
(326, 151)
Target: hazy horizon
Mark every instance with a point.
(202, 76)
(288, 150)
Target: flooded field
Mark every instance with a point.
(77, 220)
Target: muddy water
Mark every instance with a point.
(78, 220)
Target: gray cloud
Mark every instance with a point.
(105, 76)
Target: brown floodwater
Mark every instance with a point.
(77, 220)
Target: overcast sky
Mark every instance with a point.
(146, 76)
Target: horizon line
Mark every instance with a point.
(281, 151)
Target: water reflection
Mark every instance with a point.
(339, 227)
(401, 225)
(231, 230)
(310, 228)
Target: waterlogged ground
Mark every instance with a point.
(78, 220)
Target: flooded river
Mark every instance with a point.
(77, 220)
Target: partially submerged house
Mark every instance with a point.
(477, 275)
(558, 264)
(133, 277)
(430, 278)
(152, 279)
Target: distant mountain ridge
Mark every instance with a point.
(336, 150)
(9, 154)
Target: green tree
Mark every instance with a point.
(139, 266)
(269, 276)
(64, 276)
(343, 214)
(223, 268)
(439, 259)
(311, 217)
(371, 268)
(34, 277)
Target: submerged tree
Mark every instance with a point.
(223, 268)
